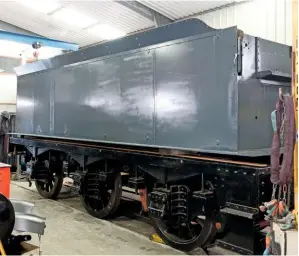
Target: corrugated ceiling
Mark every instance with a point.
(106, 12)
(180, 9)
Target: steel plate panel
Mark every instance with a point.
(187, 77)
(257, 101)
(257, 98)
(113, 96)
(103, 102)
(71, 91)
(25, 104)
(137, 97)
(42, 91)
(274, 57)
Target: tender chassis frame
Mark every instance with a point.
(241, 186)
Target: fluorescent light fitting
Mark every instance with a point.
(73, 18)
(106, 32)
(44, 6)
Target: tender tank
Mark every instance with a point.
(182, 86)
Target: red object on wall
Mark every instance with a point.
(5, 179)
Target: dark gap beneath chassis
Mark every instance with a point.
(238, 187)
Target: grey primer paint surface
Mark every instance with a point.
(185, 86)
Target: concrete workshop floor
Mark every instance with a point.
(70, 230)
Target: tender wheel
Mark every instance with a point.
(50, 187)
(174, 214)
(197, 233)
(101, 198)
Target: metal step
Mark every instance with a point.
(30, 223)
(21, 206)
(25, 221)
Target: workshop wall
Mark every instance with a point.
(16, 55)
(268, 19)
(8, 91)
(7, 64)
(8, 83)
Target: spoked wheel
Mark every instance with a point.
(197, 233)
(50, 187)
(101, 198)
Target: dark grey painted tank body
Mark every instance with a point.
(185, 86)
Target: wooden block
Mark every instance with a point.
(30, 249)
(285, 242)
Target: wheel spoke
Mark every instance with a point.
(191, 231)
(49, 187)
(184, 232)
(49, 184)
(106, 195)
(103, 205)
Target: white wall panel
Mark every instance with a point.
(8, 92)
(269, 19)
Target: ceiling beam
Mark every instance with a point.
(15, 29)
(148, 13)
(47, 42)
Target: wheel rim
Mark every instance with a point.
(48, 185)
(100, 196)
(98, 202)
(181, 234)
(204, 233)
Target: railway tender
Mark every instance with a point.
(181, 113)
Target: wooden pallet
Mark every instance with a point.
(30, 249)
(284, 242)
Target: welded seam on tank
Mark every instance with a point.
(154, 95)
(52, 107)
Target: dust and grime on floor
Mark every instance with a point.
(70, 230)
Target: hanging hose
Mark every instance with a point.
(283, 122)
(285, 134)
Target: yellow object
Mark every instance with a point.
(156, 238)
(295, 96)
(2, 251)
